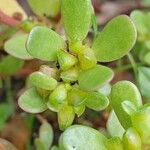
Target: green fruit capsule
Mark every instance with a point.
(57, 98)
(87, 58)
(66, 60)
(75, 47)
(70, 75)
(141, 122)
(131, 140)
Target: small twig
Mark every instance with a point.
(41, 118)
(8, 20)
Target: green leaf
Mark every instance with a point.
(70, 75)
(65, 117)
(16, 47)
(124, 91)
(66, 60)
(114, 127)
(5, 113)
(87, 58)
(45, 8)
(95, 78)
(112, 44)
(76, 17)
(42, 81)
(55, 148)
(10, 65)
(79, 110)
(31, 102)
(76, 97)
(106, 89)
(96, 101)
(140, 20)
(144, 81)
(57, 98)
(43, 43)
(114, 144)
(46, 135)
(131, 140)
(82, 138)
(39, 145)
(147, 58)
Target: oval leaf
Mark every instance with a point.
(112, 44)
(9, 65)
(43, 43)
(77, 18)
(42, 81)
(96, 101)
(124, 91)
(82, 138)
(45, 8)
(114, 127)
(144, 81)
(16, 47)
(31, 102)
(94, 78)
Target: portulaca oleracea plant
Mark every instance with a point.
(74, 74)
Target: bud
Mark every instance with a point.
(66, 60)
(87, 58)
(70, 75)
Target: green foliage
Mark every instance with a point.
(43, 81)
(16, 47)
(10, 65)
(76, 17)
(45, 139)
(5, 113)
(144, 81)
(32, 102)
(95, 77)
(111, 44)
(124, 91)
(114, 127)
(48, 8)
(43, 43)
(82, 138)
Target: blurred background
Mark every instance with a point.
(21, 128)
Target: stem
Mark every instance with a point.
(134, 66)
(9, 97)
(8, 20)
(41, 118)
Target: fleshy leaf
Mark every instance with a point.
(141, 122)
(140, 20)
(9, 65)
(123, 91)
(82, 138)
(66, 60)
(144, 81)
(43, 43)
(65, 117)
(45, 8)
(79, 110)
(42, 81)
(112, 44)
(95, 78)
(131, 140)
(30, 101)
(16, 47)
(76, 97)
(46, 135)
(96, 101)
(57, 98)
(76, 17)
(147, 58)
(114, 127)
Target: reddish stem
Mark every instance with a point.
(8, 20)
